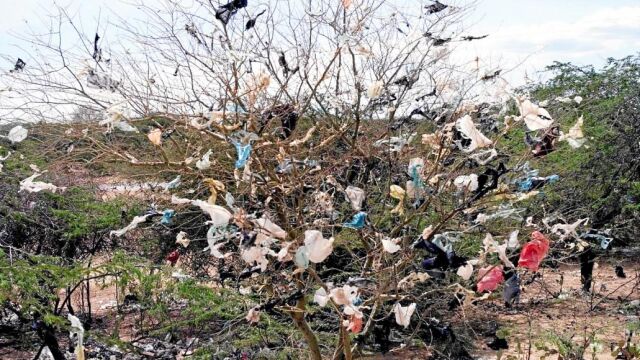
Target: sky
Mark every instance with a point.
(524, 35)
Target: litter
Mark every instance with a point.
(357, 222)
(535, 117)
(356, 196)
(403, 313)
(213, 235)
(511, 292)
(534, 251)
(243, 154)
(225, 12)
(399, 194)
(575, 137)
(204, 163)
(173, 257)
(489, 278)
(316, 248)
(167, 216)
(182, 239)
(17, 134)
(472, 138)
(137, 220)
(31, 186)
(77, 330)
(391, 245)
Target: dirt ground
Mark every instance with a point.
(603, 315)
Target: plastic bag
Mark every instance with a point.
(403, 313)
(534, 251)
(17, 134)
(357, 222)
(356, 196)
(489, 278)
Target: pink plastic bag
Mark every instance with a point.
(490, 277)
(534, 251)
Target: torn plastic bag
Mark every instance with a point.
(77, 331)
(604, 240)
(488, 180)
(214, 234)
(396, 143)
(399, 194)
(534, 251)
(511, 292)
(356, 196)
(172, 184)
(226, 11)
(484, 157)
(575, 137)
(489, 278)
(565, 230)
(214, 187)
(17, 134)
(543, 144)
(505, 211)
(473, 136)
(533, 183)
(137, 220)
(535, 117)
(316, 248)
(173, 257)
(167, 216)
(29, 185)
(204, 163)
(102, 82)
(403, 313)
(391, 245)
(466, 183)
(182, 239)
(243, 154)
(375, 89)
(357, 222)
(268, 231)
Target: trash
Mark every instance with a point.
(172, 184)
(155, 137)
(472, 138)
(535, 117)
(587, 262)
(354, 324)
(575, 137)
(225, 12)
(498, 344)
(357, 222)
(375, 89)
(535, 182)
(219, 216)
(282, 61)
(182, 239)
(17, 134)
(19, 66)
(466, 183)
(513, 243)
(356, 196)
(545, 143)
(253, 316)
(391, 245)
(566, 230)
(204, 163)
(214, 187)
(102, 82)
(603, 240)
(288, 118)
(398, 193)
(243, 154)
(396, 143)
(511, 291)
(577, 99)
(137, 220)
(484, 157)
(252, 22)
(321, 297)
(173, 257)
(534, 251)
(412, 279)
(30, 186)
(436, 7)
(316, 247)
(465, 271)
(403, 313)
(267, 230)
(491, 245)
(77, 330)
(620, 272)
(489, 278)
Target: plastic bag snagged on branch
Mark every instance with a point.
(490, 278)
(534, 251)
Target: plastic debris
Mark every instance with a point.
(399, 194)
(391, 245)
(155, 137)
(77, 330)
(466, 183)
(219, 215)
(29, 185)
(468, 131)
(253, 316)
(465, 271)
(534, 251)
(356, 196)
(375, 89)
(226, 11)
(17, 134)
(182, 239)
(535, 117)
(321, 297)
(490, 278)
(172, 184)
(354, 324)
(484, 157)
(511, 292)
(137, 220)
(396, 143)
(403, 313)
(568, 230)
(578, 99)
(204, 163)
(536, 182)
(243, 154)
(316, 247)
(214, 187)
(357, 222)
(167, 216)
(575, 137)
(173, 257)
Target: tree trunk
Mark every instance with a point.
(301, 324)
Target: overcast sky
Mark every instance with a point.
(525, 33)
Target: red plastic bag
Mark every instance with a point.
(173, 257)
(355, 324)
(534, 251)
(490, 277)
